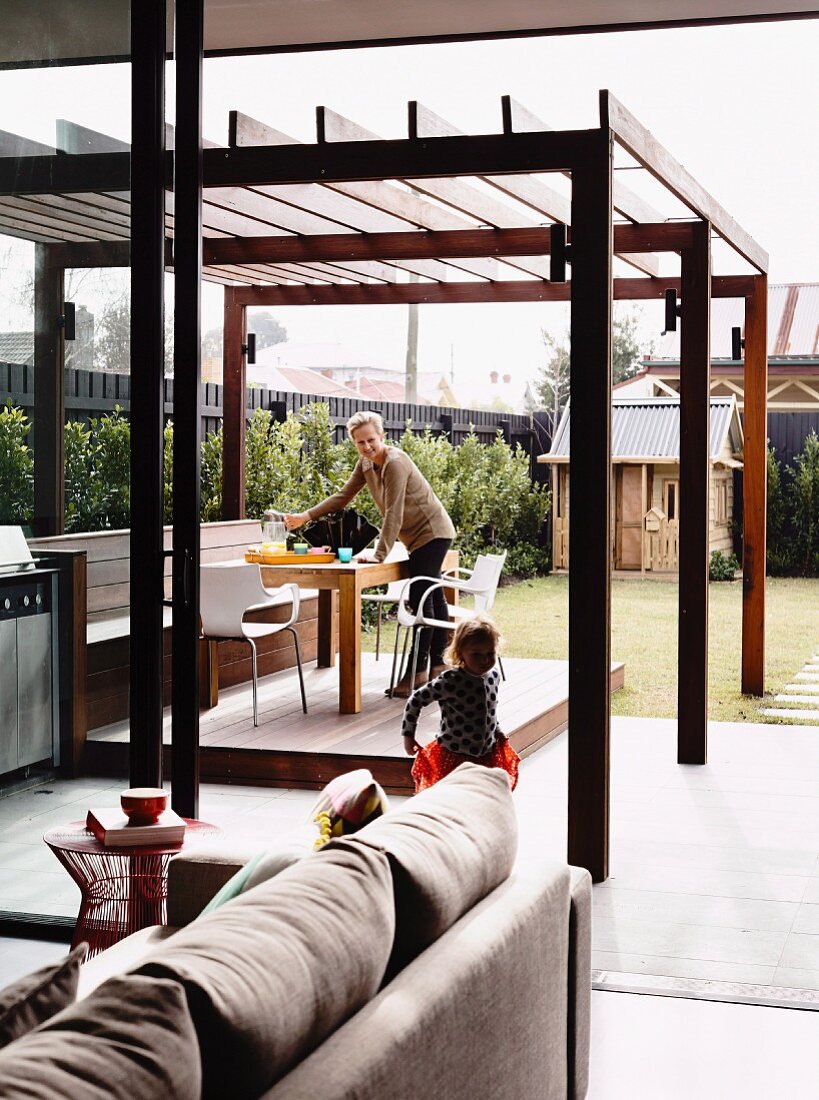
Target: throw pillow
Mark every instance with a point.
(28, 1003)
(269, 976)
(448, 847)
(132, 1037)
(347, 804)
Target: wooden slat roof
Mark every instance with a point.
(261, 218)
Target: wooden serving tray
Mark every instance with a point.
(288, 558)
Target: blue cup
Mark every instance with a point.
(345, 553)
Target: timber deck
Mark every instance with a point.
(289, 748)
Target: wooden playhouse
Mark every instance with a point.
(645, 473)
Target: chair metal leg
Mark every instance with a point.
(293, 631)
(393, 679)
(500, 666)
(378, 632)
(416, 645)
(252, 645)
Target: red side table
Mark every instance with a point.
(123, 889)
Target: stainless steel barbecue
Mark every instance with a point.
(29, 682)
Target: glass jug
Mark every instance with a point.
(274, 532)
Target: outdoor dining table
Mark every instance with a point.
(341, 585)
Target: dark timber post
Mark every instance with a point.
(49, 395)
(755, 485)
(148, 30)
(590, 457)
(234, 415)
(694, 505)
(187, 400)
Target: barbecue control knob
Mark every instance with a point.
(7, 604)
(38, 599)
(26, 601)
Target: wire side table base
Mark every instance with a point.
(123, 889)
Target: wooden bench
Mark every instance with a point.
(101, 622)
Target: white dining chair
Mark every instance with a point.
(227, 591)
(391, 596)
(480, 582)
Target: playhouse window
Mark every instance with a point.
(671, 500)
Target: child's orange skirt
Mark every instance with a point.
(433, 762)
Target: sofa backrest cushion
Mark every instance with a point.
(133, 1037)
(270, 975)
(34, 999)
(448, 848)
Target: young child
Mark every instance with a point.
(468, 697)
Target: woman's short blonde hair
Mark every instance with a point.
(366, 416)
(470, 632)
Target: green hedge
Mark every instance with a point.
(289, 465)
(793, 513)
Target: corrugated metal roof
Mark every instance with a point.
(649, 427)
(16, 347)
(793, 323)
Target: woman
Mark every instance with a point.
(411, 513)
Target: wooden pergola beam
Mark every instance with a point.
(435, 244)
(514, 290)
(590, 574)
(693, 505)
(356, 161)
(754, 488)
(644, 147)
(49, 388)
(233, 405)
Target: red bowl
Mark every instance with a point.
(143, 805)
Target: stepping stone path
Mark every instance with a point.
(799, 701)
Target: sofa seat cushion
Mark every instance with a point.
(34, 999)
(450, 846)
(132, 1038)
(270, 975)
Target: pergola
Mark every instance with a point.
(436, 217)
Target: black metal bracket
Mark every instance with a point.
(672, 311)
(737, 343)
(68, 321)
(249, 349)
(560, 253)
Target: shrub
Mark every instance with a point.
(98, 473)
(210, 479)
(289, 465)
(778, 547)
(722, 567)
(16, 468)
(489, 494)
(79, 478)
(112, 470)
(804, 500)
(793, 513)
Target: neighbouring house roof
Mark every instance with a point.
(649, 428)
(793, 324)
(16, 347)
(319, 356)
(297, 380)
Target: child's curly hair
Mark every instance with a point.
(469, 631)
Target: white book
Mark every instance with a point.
(113, 829)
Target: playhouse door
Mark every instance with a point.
(629, 541)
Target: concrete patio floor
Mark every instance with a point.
(714, 885)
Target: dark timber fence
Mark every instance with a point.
(787, 432)
(93, 393)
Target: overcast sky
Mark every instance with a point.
(736, 105)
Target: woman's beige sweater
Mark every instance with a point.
(403, 496)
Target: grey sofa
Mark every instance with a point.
(413, 958)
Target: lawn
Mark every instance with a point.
(533, 617)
